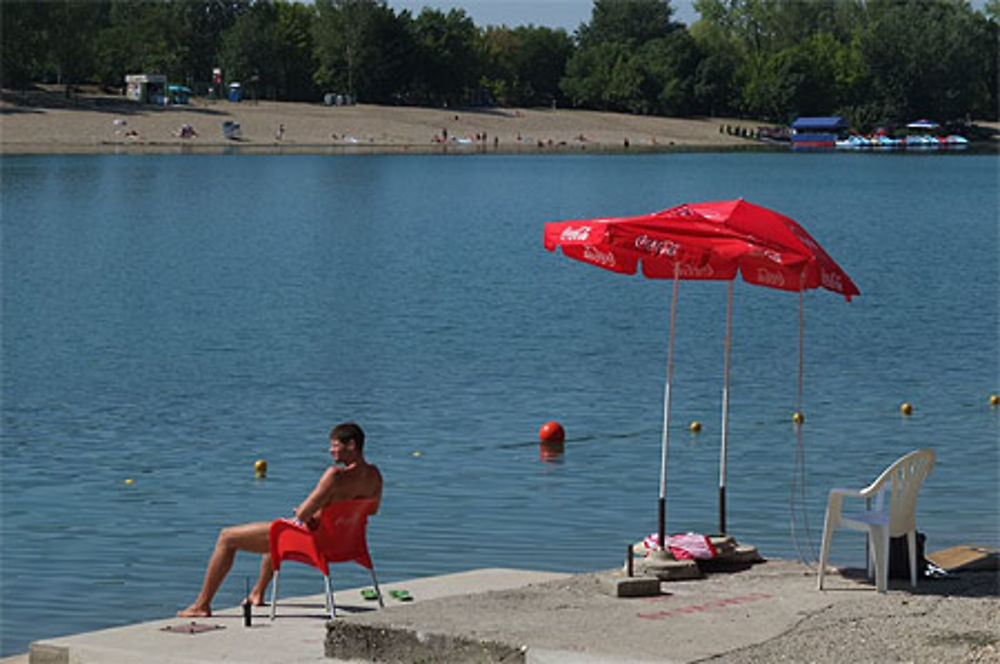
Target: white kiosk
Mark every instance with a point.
(146, 88)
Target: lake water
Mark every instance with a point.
(170, 319)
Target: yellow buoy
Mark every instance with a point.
(994, 400)
(798, 417)
(695, 426)
(906, 408)
(417, 453)
(260, 468)
(130, 481)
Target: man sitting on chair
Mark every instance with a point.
(354, 478)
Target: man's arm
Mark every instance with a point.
(308, 510)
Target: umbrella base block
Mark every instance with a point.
(665, 567)
(731, 556)
(619, 585)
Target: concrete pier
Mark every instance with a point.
(766, 612)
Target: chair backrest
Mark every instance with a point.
(340, 537)
(903, 479)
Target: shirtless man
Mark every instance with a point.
(354, 478)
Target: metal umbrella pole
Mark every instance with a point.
(725, 412)
(665, 446)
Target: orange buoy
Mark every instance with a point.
(552, 433)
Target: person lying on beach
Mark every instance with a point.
(350, 476)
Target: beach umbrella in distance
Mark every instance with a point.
(704, 241)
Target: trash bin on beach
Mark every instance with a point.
(235, 92)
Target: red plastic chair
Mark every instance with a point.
(340, 537)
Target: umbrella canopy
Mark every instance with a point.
(707, 241)
(713, 240)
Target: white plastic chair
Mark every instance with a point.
(902, 480)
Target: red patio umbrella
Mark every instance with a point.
(710, 241)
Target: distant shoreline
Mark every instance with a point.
(261, 149)
(46, 122)
(42, 122)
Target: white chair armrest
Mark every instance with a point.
(848, 493)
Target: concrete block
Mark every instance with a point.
(667, 569)
(636, 586)
(42, 653)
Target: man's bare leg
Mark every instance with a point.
(263, 579)
(250, 537)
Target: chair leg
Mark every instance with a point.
(880, 547)
(329, 597)
(378, 591)
(274, 595)
(911, 546)
(824, 551)
(871, 559)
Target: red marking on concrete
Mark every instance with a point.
(708, 606)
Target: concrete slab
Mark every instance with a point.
(760, 614)
(297, 636)
(724, 617)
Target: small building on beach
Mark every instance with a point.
(817, 132)
(146, 88)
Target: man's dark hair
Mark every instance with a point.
(349, 431)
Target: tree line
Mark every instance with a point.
(869, 60)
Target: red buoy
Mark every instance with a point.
(552, 433)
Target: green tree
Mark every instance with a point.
(669, 68)
(523, 65)
(614, 69)
(70, 34)
(251, 50)
(140, 37)
(926, 59)
(543, 61)
(715, 89)
(362, 48)
(296, 59)
(770, 85)
(204, 22)
(992, 10)
(501, 61)
(448, 62)
(588, 74)
(630, 23)
(23, 48)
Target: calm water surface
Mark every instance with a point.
(171, 319)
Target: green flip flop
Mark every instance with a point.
(401, 595)
(369, 594)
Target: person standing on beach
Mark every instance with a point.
(350, 476)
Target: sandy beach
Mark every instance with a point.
(40, 122)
